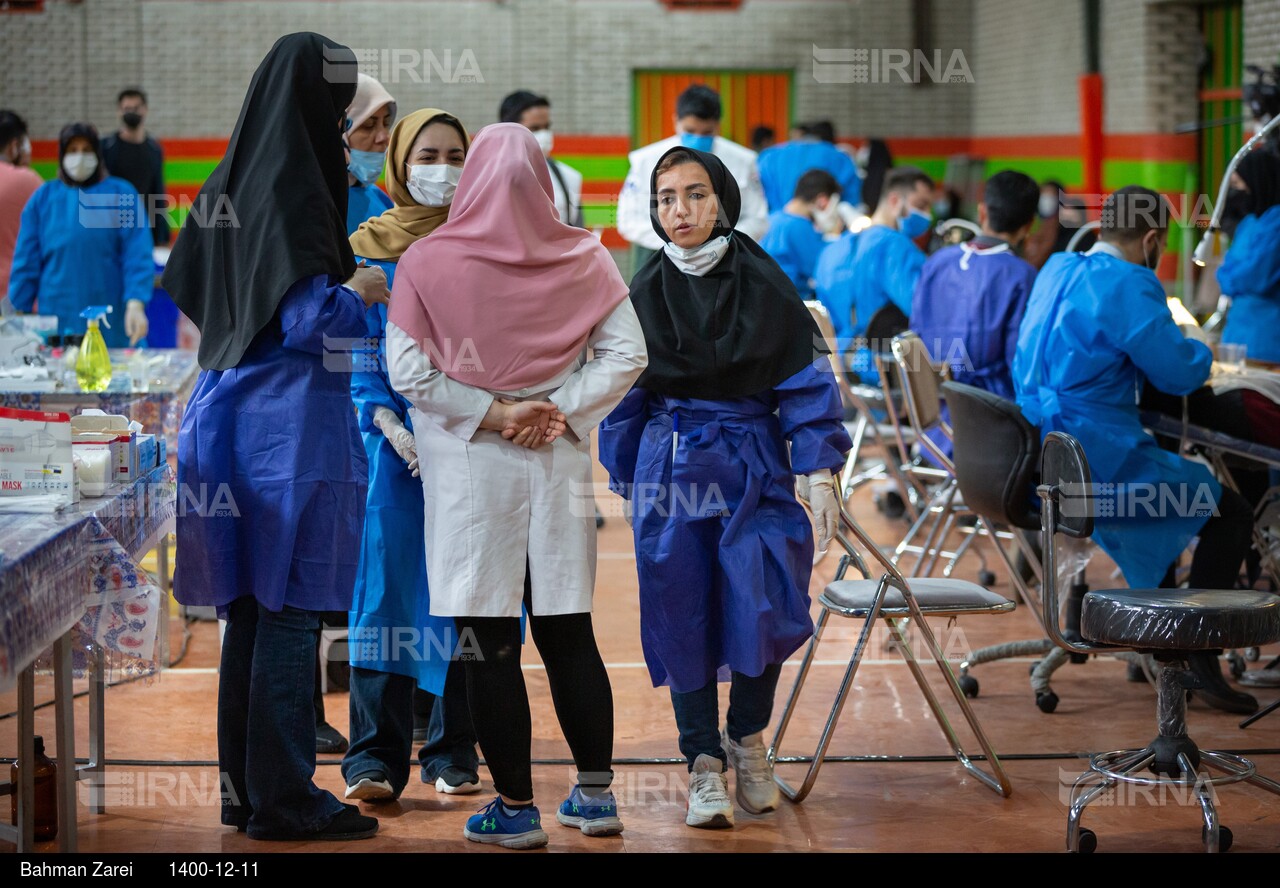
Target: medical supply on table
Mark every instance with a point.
(93, 365)
(36, 455)
(95, 431)
(1232, 355)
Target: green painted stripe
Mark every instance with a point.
(934, 166)
(188, 171)
(597, 167)
(1166, 176)
(1067, 170)
(47, 169)
(599, 215)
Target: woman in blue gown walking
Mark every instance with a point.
(269, 434)
(737, 371)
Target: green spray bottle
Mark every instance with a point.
(93, 364)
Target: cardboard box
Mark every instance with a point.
(35, 453)
(95, 428)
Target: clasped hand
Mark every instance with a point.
(526, 423)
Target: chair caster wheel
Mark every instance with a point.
(1252, 654)
(986, 578)
(1088, 841)
(1225, 838)
(969, 685)
(1047, 701)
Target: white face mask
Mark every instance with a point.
(698, 260)
(545, 139)
(827, 220)
(1047, 206)
(433, 185)
(80, 165)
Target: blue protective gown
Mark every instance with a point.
(363, 203)
(1250, 275)
(391, 595)
(967, 308)
(1095, 327)
(271, 474)
(861, 273)
(795, 245)
(781, 167)
(723, 549)
(79, 247)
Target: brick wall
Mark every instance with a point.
(1262, 32)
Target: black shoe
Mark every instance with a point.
(1214, 690)
(328, 740)
(347, 826)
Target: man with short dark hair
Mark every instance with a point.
(17, 183)
(796, 235)
(970, 299)
(864, 272)
(134, 156)
(1096, 326)
(533, 112)
(697, 123)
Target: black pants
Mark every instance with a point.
(1224, 542)
(500, 702)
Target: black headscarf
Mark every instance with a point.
(1260, 170)
(87, 131)
(737, 331)
(284, 177)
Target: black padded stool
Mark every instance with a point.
(1169, 624)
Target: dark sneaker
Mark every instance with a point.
(328, 740)
(347, 826)
(370, 786)
(457, 781)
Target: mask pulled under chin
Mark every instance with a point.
(698, 260)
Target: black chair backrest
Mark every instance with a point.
(997, 455)
(885, 324)
(1063, 465)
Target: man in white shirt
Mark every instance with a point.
(533, 112)
(697, 123)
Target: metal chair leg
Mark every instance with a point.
(997, 781)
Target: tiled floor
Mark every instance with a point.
(856, 805)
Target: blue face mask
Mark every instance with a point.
(697, 143)
(366, 166)
(915, 223)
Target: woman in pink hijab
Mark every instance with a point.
(488, 334)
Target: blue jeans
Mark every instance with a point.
(698, 713)
(382, 727)
(266, 723)
(451, 737)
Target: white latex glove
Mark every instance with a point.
(135, 321)
(400, 438)
(824, 506)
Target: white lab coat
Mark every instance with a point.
(492, 506)
(633, 202)
(568, 206)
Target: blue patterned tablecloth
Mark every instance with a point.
(77, 569)
(157, 402)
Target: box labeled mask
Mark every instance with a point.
(35, 453)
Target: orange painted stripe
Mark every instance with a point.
(574, 144)
(1222, 93)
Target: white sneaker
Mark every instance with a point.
(371, 786)
(709, 805)
(753, 782)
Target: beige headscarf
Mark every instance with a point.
(370, 96)
(387, 236)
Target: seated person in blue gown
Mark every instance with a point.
(796, 235)
(1096, 326)
(970, 298)
(863, 272)
(737, 370)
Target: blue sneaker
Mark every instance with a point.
(492, 826)
(595, 817)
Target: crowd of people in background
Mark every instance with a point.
(438, 487)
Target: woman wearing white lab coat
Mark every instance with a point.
(488, 334)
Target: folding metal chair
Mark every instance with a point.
(894, 599)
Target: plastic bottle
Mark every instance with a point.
(93, 364)
(46, 796)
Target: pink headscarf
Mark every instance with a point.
(503, 295)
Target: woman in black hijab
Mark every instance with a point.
(270, 464)
(737, 370)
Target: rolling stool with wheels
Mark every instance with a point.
(1170, 625)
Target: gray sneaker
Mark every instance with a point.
(709, 805)
(753, 784)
